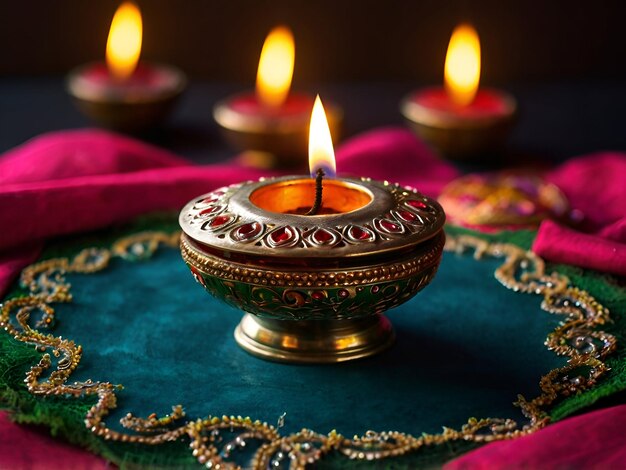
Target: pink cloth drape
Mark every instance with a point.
(73, 181)
(596, 186)
(594, 441)
(23, 447)
(594, 251)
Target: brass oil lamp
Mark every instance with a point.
(313, 262)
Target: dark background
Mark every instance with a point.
(565, 62)
(364, 40)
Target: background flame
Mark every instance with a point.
(124, 43)
(462, 69)
(276, 67)
(321, 151)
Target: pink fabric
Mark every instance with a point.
(595, 440)
(616, 231)
(596, 187)
(23, 447)
(72, 154)
(12, 262)
(562, 244)
(395, 155)
(41, 209)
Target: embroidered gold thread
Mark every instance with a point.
(521, 271)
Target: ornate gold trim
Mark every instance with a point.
(521, 271)
(356, 276)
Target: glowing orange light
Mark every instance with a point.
(462, 69)
(124, 43)
(276, 67)
(321, 151)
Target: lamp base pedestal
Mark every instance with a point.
(314, 341)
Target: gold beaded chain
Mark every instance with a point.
(214, 440)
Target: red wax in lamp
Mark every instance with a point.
(486, 104)
(272, 119)
(460, 119)
(294, 105)
(124, 93)
(148, 81)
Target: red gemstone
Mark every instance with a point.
(343, 293)
(247, 231)
(282, 235)
(408, 216)
(358, 233)
(197, 275)
(416, 204)
(318, 295)
(209, 211)
(220, 220)
(375, 289)
(322, 236)
(390, 226)
(209, 200)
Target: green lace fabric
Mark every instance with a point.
(65, 416)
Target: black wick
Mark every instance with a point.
(318, 193)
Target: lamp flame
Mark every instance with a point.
(321, 151)
(124, 43)
(462, 69)
(276, 67)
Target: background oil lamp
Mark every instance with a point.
(272, 123)
(126, 94)
(313, 262)
(460, 120)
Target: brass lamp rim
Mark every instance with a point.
(76, 87)
(439, 119)
(397, 217)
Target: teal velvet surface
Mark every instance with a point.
(466, 346)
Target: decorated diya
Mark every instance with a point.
(313, 262)
(125, 93)
(504, 200)
(271, 124)
(461, 120)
